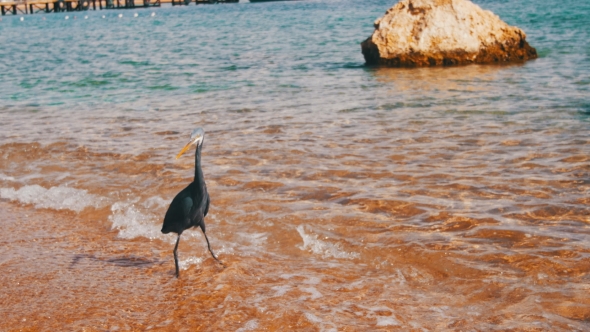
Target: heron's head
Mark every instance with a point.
(197, 137)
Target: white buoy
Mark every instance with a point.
(86, 17)
(153, 14)
(67, 17)
(103, 16)
(22, 18)
(120, 15)
(135, 15)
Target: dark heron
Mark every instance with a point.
(189, 208)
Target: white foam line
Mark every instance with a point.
(5, 177)
(57, 198)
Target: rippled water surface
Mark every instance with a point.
(344, 198)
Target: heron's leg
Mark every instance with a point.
(211, 251)
(176, 256)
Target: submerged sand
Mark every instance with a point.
(408, 216)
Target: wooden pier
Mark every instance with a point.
(18, 7)
(187, 2)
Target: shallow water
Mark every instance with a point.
(343, 197)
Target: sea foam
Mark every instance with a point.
(250, 325)
(132, 222)
(5, 177)
(324, 248)
(185, 264)
(386, 321)
(57, 198)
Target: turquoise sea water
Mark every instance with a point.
(343, 196)
(269, 55)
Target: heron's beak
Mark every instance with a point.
(186, 147)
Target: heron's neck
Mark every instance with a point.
(199, 178)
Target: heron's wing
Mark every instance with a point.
(196, 214)
(177, 217)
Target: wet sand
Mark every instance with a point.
(81, 277)
(61, 274)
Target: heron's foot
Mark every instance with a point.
(220, 262)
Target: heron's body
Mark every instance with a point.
(190, 206)
(188, 209)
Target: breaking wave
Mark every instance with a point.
(57, 198)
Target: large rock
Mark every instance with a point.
(443, 32)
